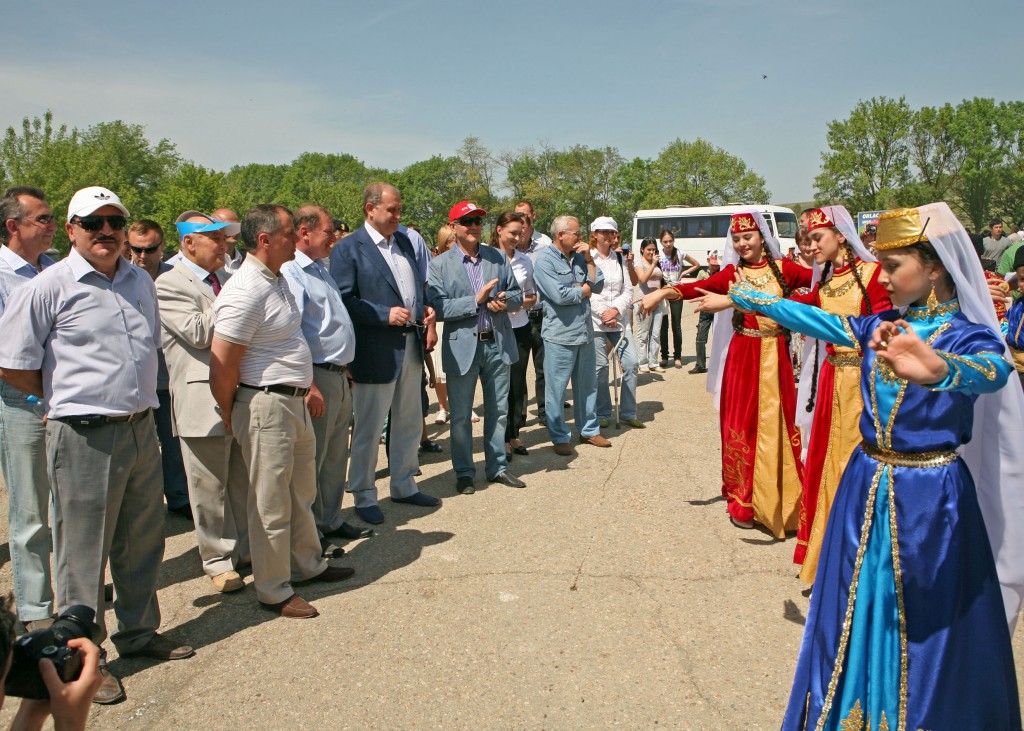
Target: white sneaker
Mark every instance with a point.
(442, 417)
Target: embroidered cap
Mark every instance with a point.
(819, 218)
(89, 200)
(742, 223)
(899, 228)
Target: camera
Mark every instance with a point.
(51, 643)
(626, 248)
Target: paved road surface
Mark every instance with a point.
(612, 591)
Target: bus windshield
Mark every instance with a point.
(787, 225)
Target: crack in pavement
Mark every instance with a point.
(590, 539)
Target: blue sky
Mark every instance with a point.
(235, 82)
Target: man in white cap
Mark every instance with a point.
(84, 334)
(218, 481)
(609, 312)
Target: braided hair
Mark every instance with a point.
(851, 257)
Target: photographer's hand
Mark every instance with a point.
(69, 703)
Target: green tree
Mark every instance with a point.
(189, 187)
(868, 160)
(699, 174)
(480, 168)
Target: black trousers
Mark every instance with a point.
(517, 384)
(703, 329)
(675, 313)
(537, 348)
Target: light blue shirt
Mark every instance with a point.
(326, 324)
(95, 339)
(15, 271)
(559, 279)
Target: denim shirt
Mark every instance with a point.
(559, 281)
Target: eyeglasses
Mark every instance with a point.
(606, 232)
(471, 221)
(575, 233)
(144, 250)
(95, 223)
(44, 220)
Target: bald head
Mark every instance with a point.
(226, 215)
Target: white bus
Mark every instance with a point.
(702, 231)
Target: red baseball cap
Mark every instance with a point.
(463, 209)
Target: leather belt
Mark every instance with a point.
(486, 336)
(909, 459)
(278, 388)
(332, 367)
(101, 419)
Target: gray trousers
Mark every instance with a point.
(108, 504)
(218, 490)
(279, 448)
(23, 460)
(371, 402)
(331, 432)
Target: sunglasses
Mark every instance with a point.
(143, 250)
(471, 221)
(44, 220)
(95, 223)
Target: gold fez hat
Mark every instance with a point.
(899, 228)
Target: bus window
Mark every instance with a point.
(787, 225)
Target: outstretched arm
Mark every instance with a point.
(795, 316)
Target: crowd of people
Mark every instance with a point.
(247, 382)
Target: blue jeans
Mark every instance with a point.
(494, 379)
(563, 363)
(23, 458)
(623, 343)
(172, 465)
(647, 331)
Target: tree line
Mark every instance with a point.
(883, 155)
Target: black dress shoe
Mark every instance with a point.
(349, 531)
(508, 480)
(698, 369)
(429, 445)
(520, 449)
(418, 498)
(464, 485)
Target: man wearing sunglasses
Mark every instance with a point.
(471, 287)
(27, 231)
(146, 249)
(85, 334)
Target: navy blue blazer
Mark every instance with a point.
(369, 291)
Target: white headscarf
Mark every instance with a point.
(995, 454)
(804, 419)
(722, 335)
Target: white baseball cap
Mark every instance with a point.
(89, 200)
(604, 223)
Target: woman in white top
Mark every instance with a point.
(508, 231)
(444, 242)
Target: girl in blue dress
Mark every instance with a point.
(909, 623)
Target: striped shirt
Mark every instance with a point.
(474, 270)
(256, 309)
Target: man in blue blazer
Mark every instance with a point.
(470, 287)
(375, 269)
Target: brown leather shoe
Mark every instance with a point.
(331, 573)
(294, 608)
(111, 690)
(597, 440)
(562, 448)
(161, 648)
(228, 581)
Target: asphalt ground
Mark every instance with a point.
(611, 592)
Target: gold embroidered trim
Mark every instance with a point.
(938, 458)
(897, 572)
(758, 282)
(925, 313)
(827, 290)
(986, 369)
(774, 332)
(845, 361)
(760, 298)
(855, 720)
(844, 637)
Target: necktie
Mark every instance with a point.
(214, 283)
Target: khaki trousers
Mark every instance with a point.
(331, 431)
(279, 449)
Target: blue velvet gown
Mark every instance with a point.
(906, 627)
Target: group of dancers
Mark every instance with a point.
(907, 497)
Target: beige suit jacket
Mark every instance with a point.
(187, 317)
